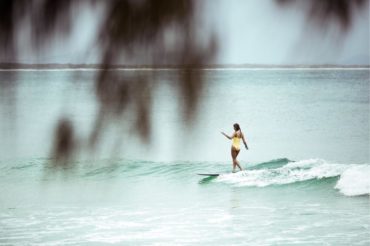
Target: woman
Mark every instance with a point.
(235, 147)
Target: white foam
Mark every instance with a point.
(290, 173)
(355, 181)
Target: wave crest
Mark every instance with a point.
(353, 177)
(355, 181)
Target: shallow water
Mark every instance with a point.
(135, 202)
(306, 179)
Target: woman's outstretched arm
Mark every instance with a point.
(226, 135)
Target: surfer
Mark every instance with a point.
(235, 147)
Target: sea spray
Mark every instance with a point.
(355, 181)
(354, 178)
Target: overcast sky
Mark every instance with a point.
(249, 32)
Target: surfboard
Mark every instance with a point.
(209, 174)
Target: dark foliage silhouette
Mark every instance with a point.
(134, 31)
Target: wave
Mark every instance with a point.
(271, 164)
(353, 178)
(348, 179)
(355, 181)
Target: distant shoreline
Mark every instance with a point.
(46, 66)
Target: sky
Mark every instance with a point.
(249, 32)
(262, 32)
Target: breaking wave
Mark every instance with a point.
(353, 178)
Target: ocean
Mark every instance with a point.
(306, 179)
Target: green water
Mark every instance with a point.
(306, 180)
(140, 203)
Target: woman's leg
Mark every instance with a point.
(236, 161)
(234, 154)
(233, 157)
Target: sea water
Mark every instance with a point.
(306, 177)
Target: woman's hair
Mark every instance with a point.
(237, 127)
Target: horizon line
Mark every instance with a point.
(16, 65)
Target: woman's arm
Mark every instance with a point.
(226, 135)
(245, 143)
